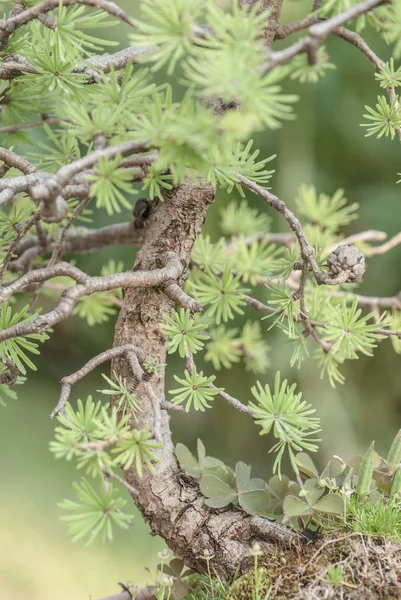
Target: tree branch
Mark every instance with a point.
(19, 126)
(22, 231)
(87, 286)
(318, 32)
(10, 25)
(307, 252)
(14, 160)
(53, 185)
(83, 240)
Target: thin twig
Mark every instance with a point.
(70, 380)
(176, 293)
(19, 126)
(22, 231)
(318, 32)
(237, 404)
(59, 245)
(395, 241)
(133, 491)
(83, 240)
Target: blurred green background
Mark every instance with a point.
(324, 146)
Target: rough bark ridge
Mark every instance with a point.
(171, 502)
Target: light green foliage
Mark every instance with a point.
(170, 26)
(17, 349)
(60, 148)
(96, 513)
(305, 72)
(230, 65)
(126, 401)
(137, 447)
(290, 419)
(351, 332)
(100, 441)
(54, 67)
(396, 326)
(222, 169)
(389, 76)
(81, 423)
(389, 22)
(385, 120)
(208, 255)
(222, 294)
(127, 91)
(195, 390)
(98, 308)
(255, 348)
(71, 37)
(252, 261)
(90, 431)
(239, 218)
(286, 307)
(329, 212)
(109, 183)
(183, 333)
(329, 364)
(300, 345)
(224, 348)
(95, 309)
(283, 266)
(155, 182)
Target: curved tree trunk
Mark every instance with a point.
(170, 501)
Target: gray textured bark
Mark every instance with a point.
(171, 502)
(273, 7)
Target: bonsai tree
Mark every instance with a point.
(110, 129)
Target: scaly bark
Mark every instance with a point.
(274, 8)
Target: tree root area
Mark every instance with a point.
(349, 567)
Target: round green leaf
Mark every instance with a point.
(332, 504)
(295, 507)
(257, 502)
(188, 461)
(213, 487)
(306, 464)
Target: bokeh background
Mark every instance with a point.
(325, 146)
